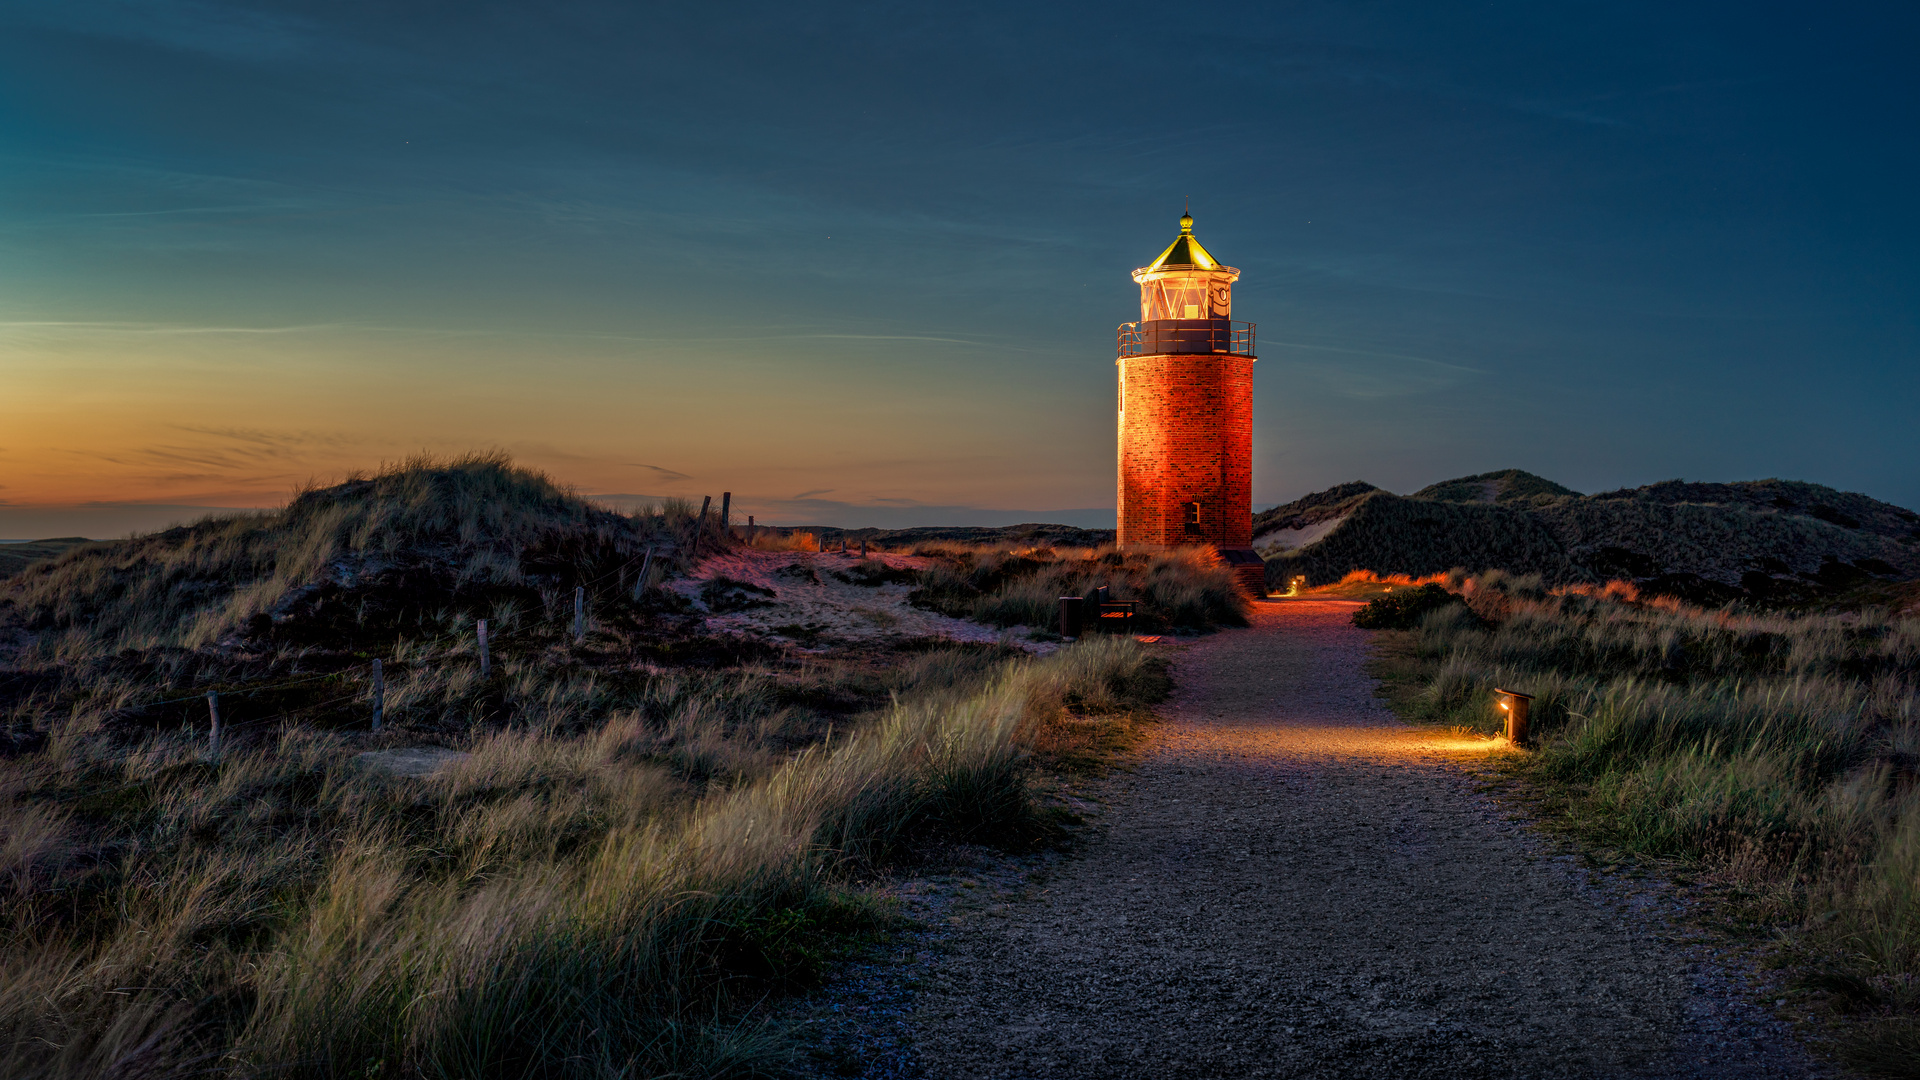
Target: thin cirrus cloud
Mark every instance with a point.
(230, 32)
(234, 451)
(663, 474)
(1369, 375)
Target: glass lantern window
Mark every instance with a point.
(1184, 297)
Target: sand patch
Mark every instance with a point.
(807, 597)
(1279, 540)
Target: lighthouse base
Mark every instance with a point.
(1249, 570)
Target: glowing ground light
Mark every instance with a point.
(1515, 704)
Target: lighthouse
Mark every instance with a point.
(1186, 412)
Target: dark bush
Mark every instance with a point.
(873, 573)
(724, 594)
(1403, 610)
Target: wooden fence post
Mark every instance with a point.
(579, 613)
(379, 695)
(485, 667)
(701, 526)
(726, 508)
(646, 567)
(213, 710)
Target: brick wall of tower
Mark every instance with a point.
(1186, 435)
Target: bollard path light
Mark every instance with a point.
(1515, 705)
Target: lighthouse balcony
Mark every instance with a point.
(1161, 337)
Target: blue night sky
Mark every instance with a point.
(862, 265)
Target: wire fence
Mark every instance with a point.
(481, 641)
(483, 638)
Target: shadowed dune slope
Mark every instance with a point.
(1766, 540)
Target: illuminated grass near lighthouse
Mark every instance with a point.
(1769, 754)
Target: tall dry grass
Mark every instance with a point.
(1183, 589)
(762, 538)
(1777, 753)
(577, 897)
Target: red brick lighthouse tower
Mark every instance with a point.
(1186, 412)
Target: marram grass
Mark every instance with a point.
(1776, 756)
(563, 902)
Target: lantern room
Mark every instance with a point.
(1186, 304)
(1185, 282)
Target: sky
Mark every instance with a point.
(862, 264)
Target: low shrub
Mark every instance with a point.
(722, 594)
(1403, 610)
(1186, 590)
(873, 573)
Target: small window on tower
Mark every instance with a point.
(1193, 517)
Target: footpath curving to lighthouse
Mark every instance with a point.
(1294, 884)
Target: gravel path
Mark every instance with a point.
(1294, 884)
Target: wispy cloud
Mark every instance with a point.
(1372, 353)
(159, 329)
(664, 474)
(251, 458)
(53, 328)
(228, 31)
(1371, 375)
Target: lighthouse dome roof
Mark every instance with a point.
(1185, 253)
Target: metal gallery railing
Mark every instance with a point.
(1160, 337)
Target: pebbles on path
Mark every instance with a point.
(1294, 884)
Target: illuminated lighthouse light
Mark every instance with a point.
(1186, 281)
(1186, 412)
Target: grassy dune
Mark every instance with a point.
(651, 831)
(1775, 756)
(397, 549)
(17, 557)
(1782, 543)
(555, 904)
(1183, 589)
(1423, 536)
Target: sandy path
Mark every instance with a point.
(1293, 884)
